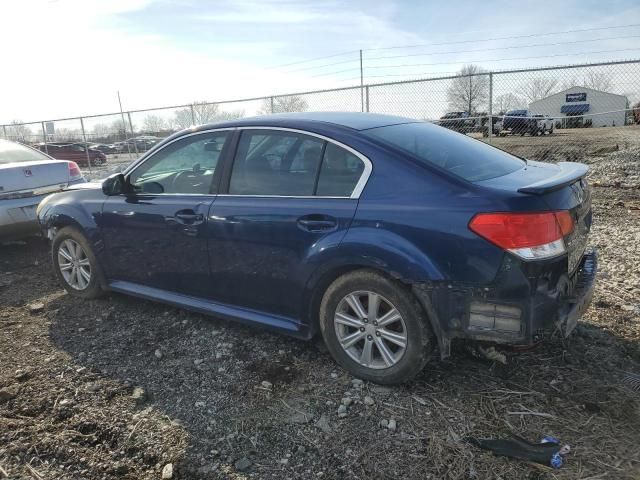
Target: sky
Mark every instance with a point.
(64, 58)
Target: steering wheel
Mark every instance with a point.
(180, 178)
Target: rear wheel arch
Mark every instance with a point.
(421, 340)
(324, 279)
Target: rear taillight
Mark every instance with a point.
(74, 170)
(530, 236)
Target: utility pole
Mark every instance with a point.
(124, 128)
(361, 84)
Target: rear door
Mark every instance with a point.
(156, 235)
(287, 195)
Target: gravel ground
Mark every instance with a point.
(123, 388)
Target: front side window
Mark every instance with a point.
(458, 154)
(275, 163)
(186, 166)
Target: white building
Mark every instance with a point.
(576, 106)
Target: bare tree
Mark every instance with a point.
(101, 130)
(19, 131)
(67, 135)
(233, 115)
(509, 101)
(636, 113)
(202, 112)
(154, 123)
(120, 129)
(538, 88)
(287, 103)
(196, 114)
(469, 91)
(598, 81)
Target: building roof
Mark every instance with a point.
(578, 87)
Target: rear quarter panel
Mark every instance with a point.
(413, 221)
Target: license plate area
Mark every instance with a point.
(576, 243)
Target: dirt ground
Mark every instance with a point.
(120, 388)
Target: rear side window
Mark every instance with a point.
(458, 154)
(340, 172)
(275, 163)
(14, 152)
(282, 163)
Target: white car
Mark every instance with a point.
(545, 124)
(26, 177)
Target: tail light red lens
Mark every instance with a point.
(529, 235)
(74, 170)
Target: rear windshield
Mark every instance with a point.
(11, 152)
(458, 154)
(517, 113)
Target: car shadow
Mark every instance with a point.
(218, 397)
(243, 393)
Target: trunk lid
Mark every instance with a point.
(560, 187)
(22, 179)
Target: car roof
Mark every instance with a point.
(352, 120)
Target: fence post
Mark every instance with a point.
(86, 145)
(490, 105)
(272, 107)
(193, 114)
(44, 136)
(361, 84)
(4, 129)
(366, 91)
(133, 135)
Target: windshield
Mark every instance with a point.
(458, 154)
(11, 152)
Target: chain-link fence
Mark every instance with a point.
(558, 106)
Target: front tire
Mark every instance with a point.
(374, 328)
(75, 264)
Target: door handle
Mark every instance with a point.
(189, 217)
(317, 223)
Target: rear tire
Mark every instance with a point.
(75, 264)
(386, 338)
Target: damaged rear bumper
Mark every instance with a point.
(525, 302)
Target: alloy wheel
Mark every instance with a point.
(370, 329)
(74, 264)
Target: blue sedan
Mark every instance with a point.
(389, 237)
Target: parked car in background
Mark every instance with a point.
(26, 176)
(76, 152)
(456, 121)
(141, 143)
(496, 126)
(389, 237)
(519, 122)
(104, 148)
(545, 124)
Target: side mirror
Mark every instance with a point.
(114, 184)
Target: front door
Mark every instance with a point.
(155, 235)
(287, 198)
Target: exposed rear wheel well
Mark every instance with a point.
(327, 278)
